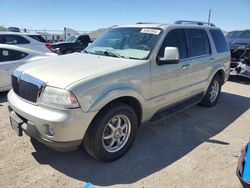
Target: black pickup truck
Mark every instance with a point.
(72, 44)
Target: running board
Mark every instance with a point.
(177, 107)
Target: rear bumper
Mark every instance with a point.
(69, 125)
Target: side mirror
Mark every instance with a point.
(171, 56)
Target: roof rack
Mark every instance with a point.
(194, 22)
(145, 23)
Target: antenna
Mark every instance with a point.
(209, 16)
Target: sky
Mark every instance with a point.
(90, 15)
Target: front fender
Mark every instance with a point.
(101, 101)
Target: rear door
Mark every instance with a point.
(9, 61)
(201, 58)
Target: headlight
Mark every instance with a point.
(59, 98)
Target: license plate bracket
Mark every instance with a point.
(16, 123)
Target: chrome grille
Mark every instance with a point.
(27, 87)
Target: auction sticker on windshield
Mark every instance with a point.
(151, 31)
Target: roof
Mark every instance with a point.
(16, 33)
(165, 26)
(143, 25)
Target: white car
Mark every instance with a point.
(26, 40)
(11, 57)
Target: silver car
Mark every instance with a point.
(11, 57)
(130, 75)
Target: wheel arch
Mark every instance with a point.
(132, 101)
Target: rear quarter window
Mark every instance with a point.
(219, 40)
(38, 38)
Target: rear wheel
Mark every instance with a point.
(213, 92)
(111, 133)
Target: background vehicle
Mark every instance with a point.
(129, 75)
(13, 29)
(72, 44)
(26, 40)
(239, 42)
(13, 56)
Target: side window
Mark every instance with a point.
(11, 55)
(219, 40)
(83, 39)
(206, 42)
(14, 39)
(196, 42)
(175, 38)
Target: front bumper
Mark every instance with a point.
(69, 125)
(241, 69)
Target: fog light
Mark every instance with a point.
(50, 131)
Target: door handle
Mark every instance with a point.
(211, 60)
(185, 67)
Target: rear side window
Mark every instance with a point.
(175, 38)
(219, 40)
(197, 43)
(206, 42)
(38, 38)
(13, 39)
(11, 55)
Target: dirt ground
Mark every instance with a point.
(198, 147)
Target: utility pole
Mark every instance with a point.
(209, 16)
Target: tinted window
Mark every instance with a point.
(206, 42)
(219, 40)
(175, 38)
(13, 39)
(38, 38)
(11, 55)
(196, 42)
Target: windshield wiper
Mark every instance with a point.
(109, 53)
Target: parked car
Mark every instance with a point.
(239, 42)
(72, 44)
(130, 75)
(13, 56)
(26, 40)
(13, 29)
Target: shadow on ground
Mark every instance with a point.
(3, 97)
(239, 79)
(156, 147)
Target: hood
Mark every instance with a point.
(62, 71)
(234, 42)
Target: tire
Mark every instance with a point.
(209, 99)
(100, 134)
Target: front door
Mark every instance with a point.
(171, 82)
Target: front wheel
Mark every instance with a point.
(111, 133)
(213, 92)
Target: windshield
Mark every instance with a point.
(239, 34)
(130, 43)
(71, 39)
